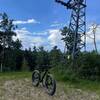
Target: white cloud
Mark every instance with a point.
(55, 38)
(29, 21)
(38, 41)
(48, 38)
(27, 39)
(43, 33)
(57, 24)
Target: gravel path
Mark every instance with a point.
(23, 90)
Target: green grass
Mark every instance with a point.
(74, 82)
(15, 75)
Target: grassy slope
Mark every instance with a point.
(87, 85)
(80, 84)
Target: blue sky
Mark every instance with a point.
(39, 20)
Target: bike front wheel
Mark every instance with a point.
(50, 85)
(35, 78)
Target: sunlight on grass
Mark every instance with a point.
(15, 75)
(72, 82)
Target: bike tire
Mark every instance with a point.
(50, 90)
(35, 78)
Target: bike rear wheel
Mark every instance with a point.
(50, 85)
(35, 78)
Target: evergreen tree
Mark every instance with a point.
(17, 44)
(6, 31)
(56, 56)
(43, 59)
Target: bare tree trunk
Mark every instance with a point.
(95, 26)
(95, 42)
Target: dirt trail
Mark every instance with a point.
(23, 90)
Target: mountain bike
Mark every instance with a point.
(46, 79)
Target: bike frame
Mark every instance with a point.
(43, 76)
